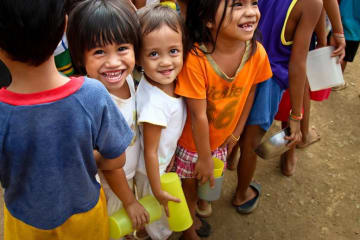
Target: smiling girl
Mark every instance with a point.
(103, 39)
(218, 82)
(161, 113)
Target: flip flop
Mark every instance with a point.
(205, 229)
(251, 205)
(313, 137)
(204, 213)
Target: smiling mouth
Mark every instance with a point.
(166, 72)
(248, 27)
(113, 76)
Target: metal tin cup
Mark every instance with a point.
(207, 193)
(274, 146)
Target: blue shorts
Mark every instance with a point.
(266, 104)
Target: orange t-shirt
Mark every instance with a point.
(201, 78)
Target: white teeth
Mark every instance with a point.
(247, 27)
(113, 76)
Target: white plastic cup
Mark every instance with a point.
(322, 70)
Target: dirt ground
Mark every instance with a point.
(322, 200)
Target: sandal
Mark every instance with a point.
(205, 229)
(251, 205)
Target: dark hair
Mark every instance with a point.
(70, 5)
(31, 30)
(95, 23)
(201, 12)
(154, 16)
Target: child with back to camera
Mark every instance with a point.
(218, 81)
(161, 113)
(104, 48)
(50, 125)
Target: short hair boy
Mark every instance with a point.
(50, 125)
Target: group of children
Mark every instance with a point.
(207, 85)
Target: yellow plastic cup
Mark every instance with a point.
(218, 167)
(120, 223)
(169, 4)
(180, 217)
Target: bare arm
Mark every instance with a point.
(109, 164)
(337, 40)
(152, 135)
(200, 130)
(297, 65)
(119, 185)
(115, 177)
(320, 30)
(230, 141)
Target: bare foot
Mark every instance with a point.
(312, 137)
(239, 200)
(288, 163)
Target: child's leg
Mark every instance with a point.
(185, 166)
(249, 140)
(288, 159)
(304, 124)
(233, 157)
(190, 190)
(309, 135)
(265, 106)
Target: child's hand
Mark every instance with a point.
(163, 198)
(137, 214)
(295, 133)
(204, 170)
(171, 164)
(229, 143)
(339, 43)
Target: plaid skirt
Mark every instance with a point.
(185, 160)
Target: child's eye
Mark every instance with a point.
(153, 54)
(237, 4)
(174, 51)
(255, 3)
(98, 52)
(121, 49)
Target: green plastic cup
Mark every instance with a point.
(180, 217)
(120, 223)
